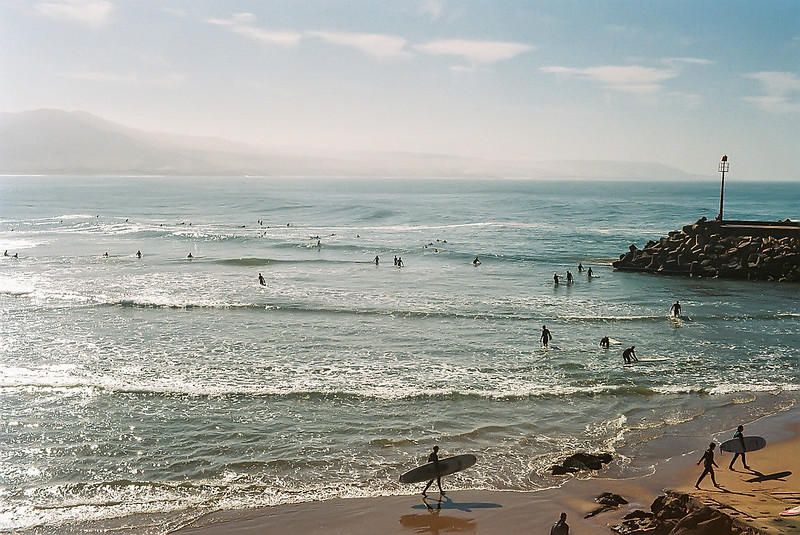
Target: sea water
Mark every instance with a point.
(167, 385)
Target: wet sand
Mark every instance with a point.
(753, 497)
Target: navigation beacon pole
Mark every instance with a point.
(723, 168)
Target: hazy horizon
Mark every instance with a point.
(674, 83)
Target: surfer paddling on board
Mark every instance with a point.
(708, 459)
(738, 434)
(675, 309)
(546, 336)
(629, 355)
(434, 458)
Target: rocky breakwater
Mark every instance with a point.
(731, 249)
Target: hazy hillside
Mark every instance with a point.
(54, 142)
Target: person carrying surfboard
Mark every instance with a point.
(738, 434)
(708, 459)
(434, 458)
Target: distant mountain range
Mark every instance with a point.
(55, 142)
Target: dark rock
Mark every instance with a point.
(581, 461)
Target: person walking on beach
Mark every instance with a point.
(434, 458)
(708, 459)
(629, 355)
(561, 527)
(605, 342)
(546, 336)
(738, 434)
(675, 309)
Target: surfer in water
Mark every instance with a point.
(434, 458)
(589, 273)
(546, 336)
(675, 309)
(580, 267)
(569, 277)
(555, 278)
(629, 355)
(738, 434)
(377, 260)
(261, 280)
(138, 254)
(708, 458)
(190, 256)
(476, 262)
(605, 342)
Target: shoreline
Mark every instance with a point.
(753, 498)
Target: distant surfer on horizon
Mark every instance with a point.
(546, 336)
(708, 459)
(629, 355)
(434, 458)
(560, 527)
(605, 342)
(675, 309)
(738, 434)
(261, 280)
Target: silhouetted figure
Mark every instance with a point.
(675, 309)
(105, 255)
(738, 434)
(569, 277)
(589, 273)
(395, 260)
(546, 336)
(476, 262)
(5, 253)
(629, 355)
(555, 278)
(377, 260)
(580, 267)
(561, 527)
(261, 280)
(434, 458)
(189, 255)
(605, 342)
(708, 459)
(399, 262)
(138, 254)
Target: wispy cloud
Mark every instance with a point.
(782, 91)
(127, 78)
(242, 24)
(379, 46)
(94, 13)
(624, 78)
(431, 8)
(475, 52)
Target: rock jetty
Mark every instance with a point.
(750, 250)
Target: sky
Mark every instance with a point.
(678, 82)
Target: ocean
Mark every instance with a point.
(151, 390)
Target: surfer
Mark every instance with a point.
(105, 255)
(399, 262)
(377, 260)
(675, 309)
(138, 254)
(605, 342)
(738, 434)
(555, 278)
(561, 527)
(395, 260)
(589, 273)
(261, 280)
(580, 267)
(629, 355)
(434, 458)
(546, 336)
(190, 256)
(708, 458)
(5, 253)
(569, 277)
(476, 262)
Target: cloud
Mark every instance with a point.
(129, 78)
(782, 91)
(242, 24)
(624, 78)
(431, 8)
(475, 52)
(378, 46)
(94, 13)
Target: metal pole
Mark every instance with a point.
(723, 166)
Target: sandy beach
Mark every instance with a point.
(753, 497)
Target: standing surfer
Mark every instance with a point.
(738, 434)
(675, 309)
(629, 355)
(546, 336)
(555, 278)
(434, 458)
(261, 280)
